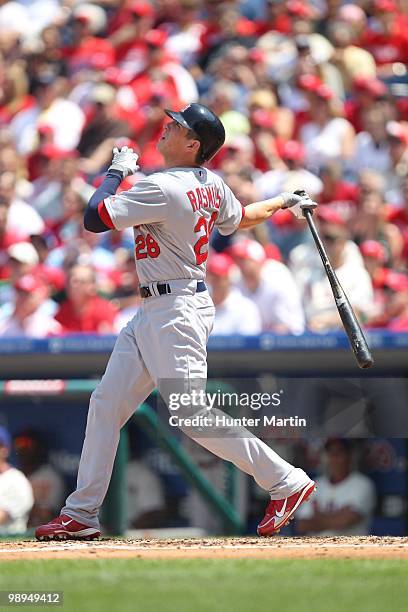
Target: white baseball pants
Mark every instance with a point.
(165, 340)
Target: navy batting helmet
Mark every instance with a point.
(205, 125)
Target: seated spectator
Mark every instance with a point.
(370, 223)
(102, 124)
(270, 285)
(57, 171)
(22, 218)
(126, 295)
(344, 500)
(28, 316)
(321, 311)
(398, 217)
(84, 310)
(372, 148)
(375, 258)
(368, 94)
(397, 133)
(47, 484)
(7, 239)
(328, 135)
(398, 309)
(16, 495)
(340, 194)
(291, 175)
(53, 110)
(386, 37)
(351, 60)
(234, 313)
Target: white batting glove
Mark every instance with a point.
(124, 160)
(297, 203)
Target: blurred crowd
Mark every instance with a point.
(313, 95)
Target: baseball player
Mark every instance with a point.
(172, 213)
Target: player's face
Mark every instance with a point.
(176, 141)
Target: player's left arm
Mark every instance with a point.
(96, 217)
(261, 211)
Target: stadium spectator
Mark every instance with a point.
(22, 218)
(328, 135)
(344, 500)
(318, 301)
(234, 313)
(84, 310)
(270, 285)
(28, 316)
(372, 147)
(47, 485)
(52, 110)
(16, 496)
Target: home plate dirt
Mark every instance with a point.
(369, 547)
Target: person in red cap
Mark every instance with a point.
(368, 93)
(88, 50)
(291, 174)
(234, 313)
(327, 135)
(375, 257)
(387, 37)
(129, 26)
(270, 285)
(341, 195)
(28, 317)
(84, 310)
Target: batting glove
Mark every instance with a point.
(297, 203)
(124, 160)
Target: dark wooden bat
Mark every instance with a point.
(352, 328)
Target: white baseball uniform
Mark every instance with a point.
(173, 213)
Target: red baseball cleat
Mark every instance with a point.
(280, 511)
(65, 528)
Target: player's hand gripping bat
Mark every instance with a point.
(356, 337)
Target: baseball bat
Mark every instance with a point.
(352, 328)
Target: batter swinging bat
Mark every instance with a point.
(356, 337)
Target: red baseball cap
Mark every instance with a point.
(299, 9)
(396, 281)
(248, 249)
(374, 249)
(263, 118)
(156, 38)
(292, 150)
(385, 6)
(142, 9)
(310, 82)
(29, 283)
(324, 92)
(219, 264)
(272, 252)
(370, 85)
(52, 152)
(328, 215)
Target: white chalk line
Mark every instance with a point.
(135, 548)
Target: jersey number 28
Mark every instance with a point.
(200, 247)
(146, 247)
